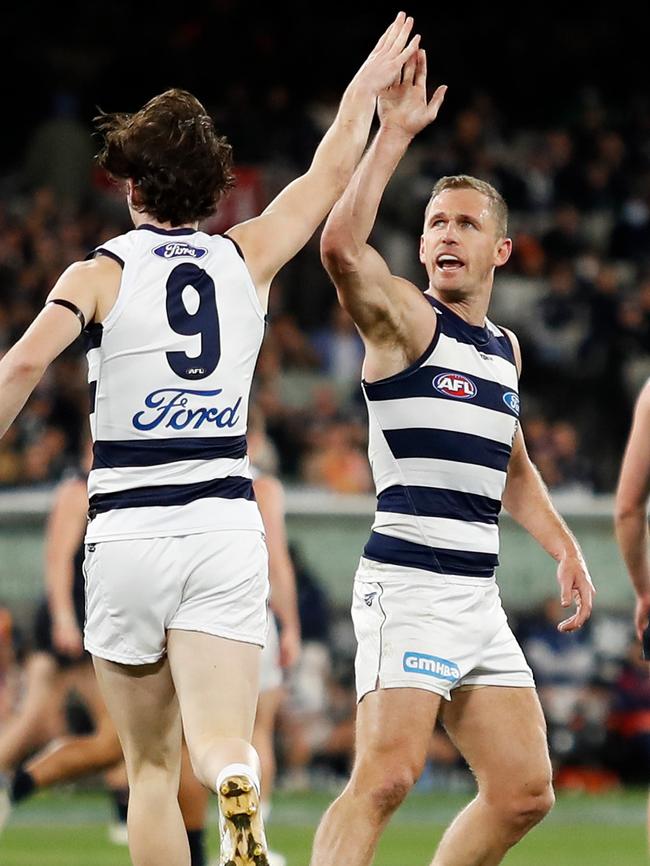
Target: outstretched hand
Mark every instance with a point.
(403, 104)
(384, 63)
(575, 585)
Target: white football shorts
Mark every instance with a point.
(137, 589)
(270, 670)
(433, 632)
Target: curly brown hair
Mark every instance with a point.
(179, 166)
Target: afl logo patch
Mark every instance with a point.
(175, 249)
(512, 401)
(455, 385)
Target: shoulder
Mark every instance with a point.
(97, 269)
(514, 342)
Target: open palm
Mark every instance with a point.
(404, 104)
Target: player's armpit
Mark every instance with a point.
(386, 309)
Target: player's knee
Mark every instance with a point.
(385, 792)
(524, 809)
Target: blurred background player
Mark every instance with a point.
(632, 516)
(57, 666)
(175, 564)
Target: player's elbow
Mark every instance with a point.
(338, 251)
(627, 510)
(23, 367)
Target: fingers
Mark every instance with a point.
(410, 67)
(436, 101)
(566, 585)
(391, 31)
(409, 51)
(421, 69)
(583, 597)
(400, 38)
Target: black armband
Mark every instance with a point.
(72, 307)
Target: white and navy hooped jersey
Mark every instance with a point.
(170, 372)
(441, 433)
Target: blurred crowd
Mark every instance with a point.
(576, 291)
(592, 684)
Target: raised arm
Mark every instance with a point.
(527, 501)
(383, 307)
(631, 518)
(64, 533)
(51, 332)
(272, 239)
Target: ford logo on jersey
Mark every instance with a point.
(511, 399)
(455, 385)
(182, 408)
(175, 249)
(432, 666)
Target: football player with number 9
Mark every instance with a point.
(176, 565)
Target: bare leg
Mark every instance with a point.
(31, 726)
(216, 681)
(145, 710)
(217, 685)
(71, 757)
(502, 734)
(393, 734)
(267, 710)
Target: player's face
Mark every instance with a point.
(460, 244)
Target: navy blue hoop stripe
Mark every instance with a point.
(436, 502)
(448, 445)
(111, 454)
(173, 494)
(395, 551)
(419, 383)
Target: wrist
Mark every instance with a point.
(568, 551)
(395, 134)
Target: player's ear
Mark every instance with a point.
(422, 255)
(503, 250)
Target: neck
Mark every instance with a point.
(140, 219)
(472, 308)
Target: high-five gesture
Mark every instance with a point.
(403, 105)
(385, 62)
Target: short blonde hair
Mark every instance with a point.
(465, 181)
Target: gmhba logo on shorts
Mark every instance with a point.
(432, 666)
